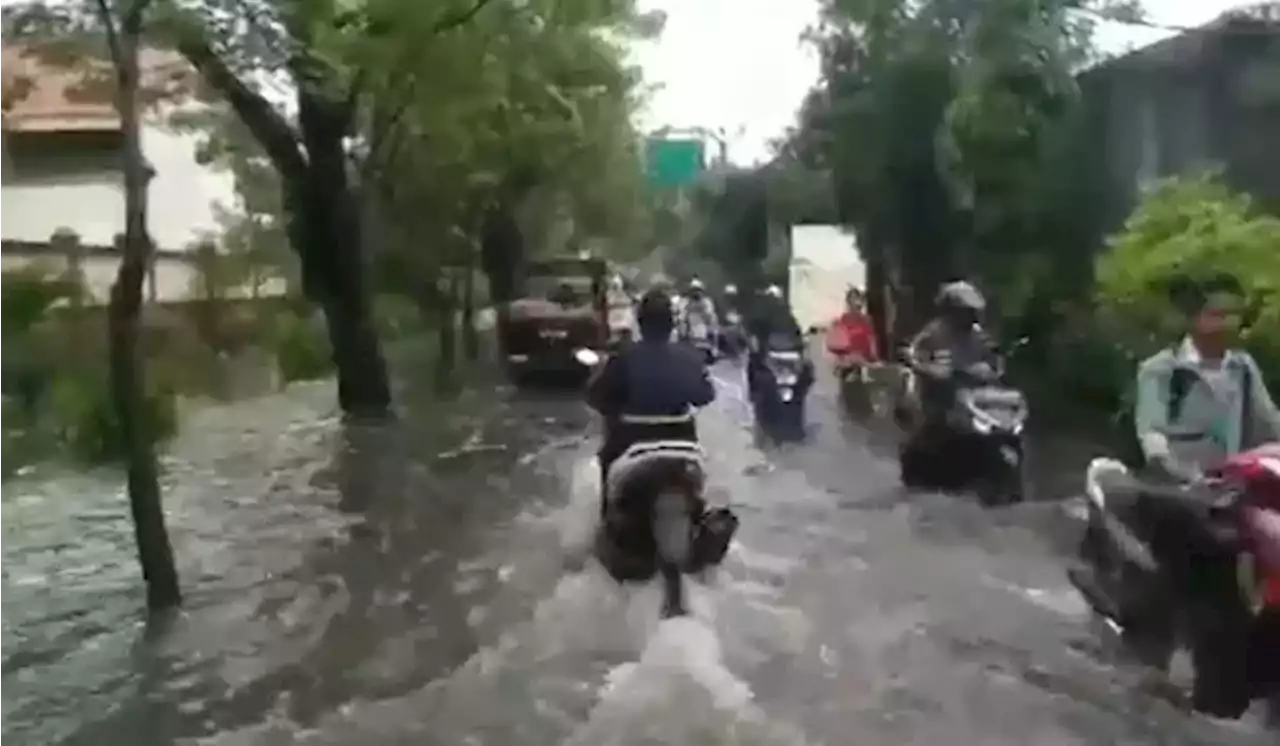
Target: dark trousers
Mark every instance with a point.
(620, 436)
(936, 397)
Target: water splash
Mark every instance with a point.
(678, 692)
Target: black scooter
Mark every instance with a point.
(656, 521)
(979, 442)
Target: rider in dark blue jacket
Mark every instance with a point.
(649, 391)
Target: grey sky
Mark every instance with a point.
(740, 63)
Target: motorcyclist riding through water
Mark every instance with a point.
(953, 340)
(771, 326)
(852, 336)
(696, 311)
(649, 391)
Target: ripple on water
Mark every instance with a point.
(72, 593)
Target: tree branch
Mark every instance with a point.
(454, 20)
(131, 21)
(268, 127)
(448, 23)
(109, 28)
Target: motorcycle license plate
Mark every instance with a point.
(554, 333)
(786, 379)
(1010, 455)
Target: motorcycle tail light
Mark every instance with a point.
(1271, 591)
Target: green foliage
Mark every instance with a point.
(525, 109)
(1192, 226)
(301, 347)
(81, 417)
(1188, 227)
(29, 294)
(396, 316)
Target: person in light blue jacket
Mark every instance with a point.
(1202, 399)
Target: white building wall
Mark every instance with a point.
(184, 198)
(825, 263)
(175, 278)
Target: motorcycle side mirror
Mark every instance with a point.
(589, 358)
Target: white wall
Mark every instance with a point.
(825, 263)
(175, 278)
(183, 198)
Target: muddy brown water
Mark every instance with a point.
(361, 585)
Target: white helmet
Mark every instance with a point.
(773, 291)
(731, 289)
(695, 284)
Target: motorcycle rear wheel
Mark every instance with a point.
(673, 539)
(1004, 486)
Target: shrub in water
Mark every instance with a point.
(82, 418)
(301, 348)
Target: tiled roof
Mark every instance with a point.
(42, 96)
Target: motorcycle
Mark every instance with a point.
(777, 395)
(656, 521)
(980, 441)
(732, 336)
(859, 389)
(1191, 566)
(698, 334)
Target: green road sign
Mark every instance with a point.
(673, 163)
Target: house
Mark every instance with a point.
(1209, 97)
(62, 174)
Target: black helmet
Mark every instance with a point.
(960, 296)
(1190, 294)
(654, 313)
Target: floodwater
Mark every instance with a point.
(354, 585)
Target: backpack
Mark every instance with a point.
(1180, 384)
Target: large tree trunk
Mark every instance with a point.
(470, 335)
(155, 553)
(447, 334)
(363, 390)
(335, 261)
(324, 222)
(501, 257)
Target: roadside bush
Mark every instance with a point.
(396, 316)
(301, 348)
(1194, 226)
(82, 419)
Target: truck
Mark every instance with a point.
(561, 308)
(825, 264)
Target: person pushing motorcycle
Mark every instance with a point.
(649, 390)
(1203, 399)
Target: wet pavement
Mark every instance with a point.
(351, 585)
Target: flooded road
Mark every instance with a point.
(352, 586)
